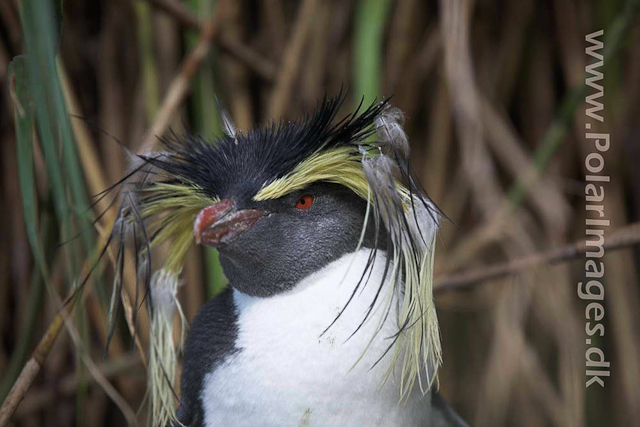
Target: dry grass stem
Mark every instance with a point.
(252, 59)
(291, 60)
(624, 237)
(180, 85)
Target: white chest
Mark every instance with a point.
(287, 373)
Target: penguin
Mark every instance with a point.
(327, 241)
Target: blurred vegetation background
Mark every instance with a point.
(493, 93)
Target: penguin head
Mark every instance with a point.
(268, 246)
(278, 202)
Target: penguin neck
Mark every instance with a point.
(308, 311)
(333, 285)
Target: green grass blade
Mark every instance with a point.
(40, 69)
(24, 117)
(149, 70)
(371, 20)
(56, 139)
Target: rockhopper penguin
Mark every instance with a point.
(327, 241)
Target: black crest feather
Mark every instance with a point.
(262, 155)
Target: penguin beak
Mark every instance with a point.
(221, 223)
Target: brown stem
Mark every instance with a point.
(622, 238)
(252, 59)
(34, 364)
(259, 64)
(291, 60)
(181, 82)
(128, 364)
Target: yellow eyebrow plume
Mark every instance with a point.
(172, 208)
(339, 166)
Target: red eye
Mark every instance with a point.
(304, 202)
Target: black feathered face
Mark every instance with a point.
(287, 239)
